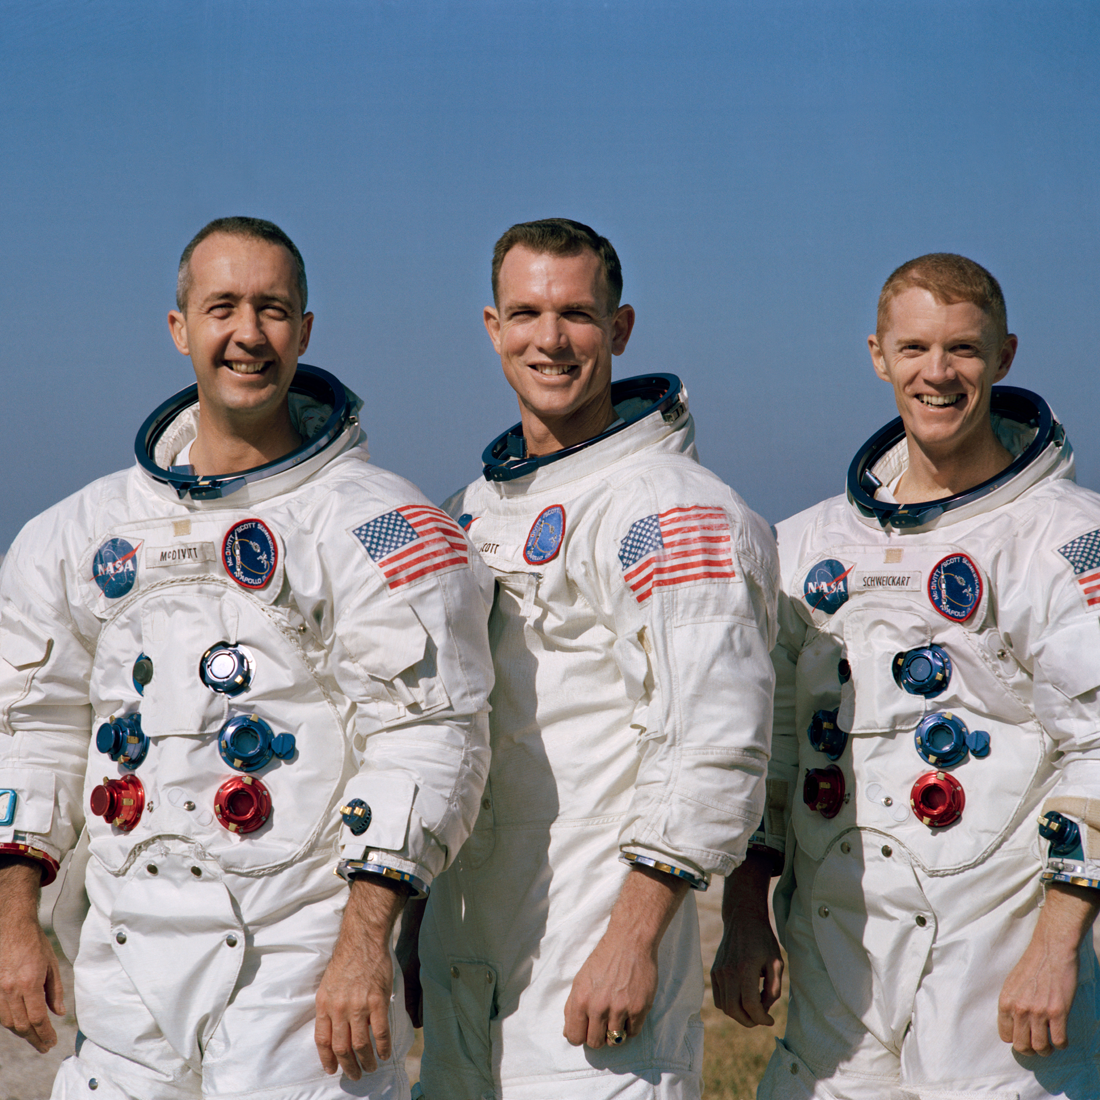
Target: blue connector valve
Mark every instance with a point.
(123, 741)
(1064, 835)
(142, 673)
(924, 671)
(356, 816)
(825, 735)
(246, 743)
(941, 739)
(226, 669)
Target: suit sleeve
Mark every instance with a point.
(414, 659)
(694, 581)
(781, 787)
(45, 715)
(1066, 671)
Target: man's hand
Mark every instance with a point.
(353, 1002)
(747, 974)
(30, 979)
(408, 958)
(615, 988)
(1035, 1000)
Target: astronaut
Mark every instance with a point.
(249, 661)
(630, 719)
(937, 740)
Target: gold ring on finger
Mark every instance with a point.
(616, 1038)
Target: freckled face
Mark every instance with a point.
(942, 360)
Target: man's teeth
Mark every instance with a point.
(245, 368)
(552, 369)
(939, 398)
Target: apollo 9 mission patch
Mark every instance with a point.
(955, 587)
(114, 567)
(544, 539)
(249, 553)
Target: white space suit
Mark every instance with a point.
(289, 641)
(945, 661)
(631, 630)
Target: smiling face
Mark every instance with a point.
(942, 360)
(556, 338)
(243, 327)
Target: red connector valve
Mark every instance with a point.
(823, 790)
(937, 799)
(119, 801)
(242, 804)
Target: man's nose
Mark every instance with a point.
(550, 333)
(940, 367)
(249, 329)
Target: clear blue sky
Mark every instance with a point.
(760, 166)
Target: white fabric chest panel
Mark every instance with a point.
(563, 745)
(185, 600)
(871, 607)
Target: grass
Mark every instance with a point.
(734, 1057)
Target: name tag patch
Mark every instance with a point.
(157, 557)
(894, 580)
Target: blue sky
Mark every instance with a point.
(760, 166)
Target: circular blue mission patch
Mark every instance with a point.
(114, 568)
(955, 587)
(544, 539)
(826, 587)
(249, 553)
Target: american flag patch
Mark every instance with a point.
(412, 542)
(1084, 555)
(675, 547)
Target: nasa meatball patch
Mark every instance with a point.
(114, 567)
(955, 587)
(826, 586)
(249, 553)
(544, 539)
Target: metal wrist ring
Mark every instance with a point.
(616, 1038)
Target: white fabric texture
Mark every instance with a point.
(384, 687)
(900, 935)
(622, 721)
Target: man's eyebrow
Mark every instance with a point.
(569, 307)
(262, 299)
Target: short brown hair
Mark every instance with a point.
(257, 229)
(949, 278)
(561, 237)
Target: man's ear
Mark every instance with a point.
(1008, 353)
(622, 325)
(492, 326)
(177, 326)
(878, 360)
(307, 328)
